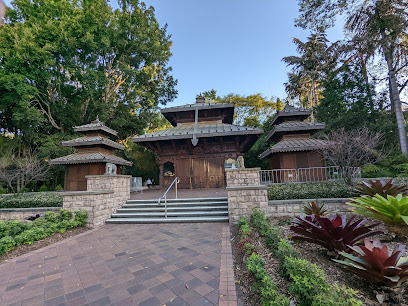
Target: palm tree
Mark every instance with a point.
(315, 58)
(383, 24)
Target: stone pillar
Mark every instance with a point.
(245, 192)
(104, 195)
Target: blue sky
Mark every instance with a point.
(233, 46)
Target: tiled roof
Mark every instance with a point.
(290, 126)
(95, 126)
(295, 145)
(203, 130)
(290, 111)
(91, 157)
(188, 107)
(94, 140)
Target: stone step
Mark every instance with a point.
(170, 214)
(168, 220)
(173, 204)
(191, 200)
(172, 208)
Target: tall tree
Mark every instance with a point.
(315, 58)
(64, 62)
(376, 27)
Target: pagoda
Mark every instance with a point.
(93, 157)
(196, 147)
(292, 147)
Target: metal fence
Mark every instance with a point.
(302, 175)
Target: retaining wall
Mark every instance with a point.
(104, 195)
(24, 213)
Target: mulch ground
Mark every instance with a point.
(315, 254)
(26, 248)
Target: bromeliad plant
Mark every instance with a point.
(390, 210)
(382, 187)
(314, 208)
(377, 264)
(334, 233)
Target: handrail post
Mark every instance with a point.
(165, 206)
(176, 188)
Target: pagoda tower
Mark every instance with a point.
(196, 147)
(292, 147)
(94, 155)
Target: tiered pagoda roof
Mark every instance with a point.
(213, 120)
(94, 147)
(292, 133)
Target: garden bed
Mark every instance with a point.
(26, 248)
(31, 200)
(312, 253)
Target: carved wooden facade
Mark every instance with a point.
(216, 139)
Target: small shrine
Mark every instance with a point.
(201, 140)
(94, 155)
(293, 148)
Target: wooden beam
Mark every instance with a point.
(244, 143)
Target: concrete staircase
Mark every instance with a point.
(178, 211)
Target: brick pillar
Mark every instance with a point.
(245, 192)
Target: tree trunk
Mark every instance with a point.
(396, 102)
(314, 93)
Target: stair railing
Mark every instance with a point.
(175, 181)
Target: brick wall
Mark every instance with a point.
(245, 192)
(104, 195)
(289, 208)
(24, 213)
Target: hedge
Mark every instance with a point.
(32, 199)
(315, 190)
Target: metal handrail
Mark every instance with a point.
(176, 180)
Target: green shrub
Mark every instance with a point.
(3, 190)
(307, 279)
(264, 284)
(261, 223)
(7, 243)
(81, 217)
(392, 166)
(337, 296)
(43, 188)
(62, 226)
(249, 248)
(315, 190)
(39, 233)
(51, 228)
(59, 188)
(284, 249)
(50, 216)
(64, 215)
(26, 237)
(31, 199)
(13, 228)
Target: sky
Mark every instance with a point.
(232, 46)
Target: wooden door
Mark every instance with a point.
(182, 169)
(215, 169)
(199, 175)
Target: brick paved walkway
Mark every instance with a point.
(153, 264)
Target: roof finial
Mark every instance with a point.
(97, 118)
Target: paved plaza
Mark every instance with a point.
(130, 264)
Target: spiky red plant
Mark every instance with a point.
(377, 264)
(334, 233)
(314, 208)
(381, 187)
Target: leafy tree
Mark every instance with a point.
(376, 27)
(64, 62)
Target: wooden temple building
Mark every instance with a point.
(94, 151)
(292, 147)
(196, 147)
